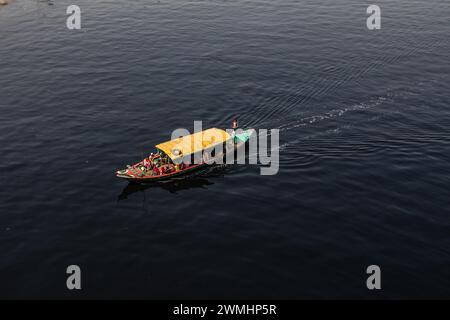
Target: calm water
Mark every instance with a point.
(364, 159)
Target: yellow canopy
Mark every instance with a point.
(193, 143)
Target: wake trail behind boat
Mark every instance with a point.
(316, 88)
(333, 114)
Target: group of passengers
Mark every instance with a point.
(158, 163)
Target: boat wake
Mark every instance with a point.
(335, 113)
(317, 87)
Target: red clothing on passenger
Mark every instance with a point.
(146, 163)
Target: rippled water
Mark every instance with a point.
(364, 151)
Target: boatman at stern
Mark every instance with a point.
(234, 126)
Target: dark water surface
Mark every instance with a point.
(364, 158)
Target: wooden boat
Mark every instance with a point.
(175, 158)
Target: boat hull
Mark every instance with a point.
(163, 177)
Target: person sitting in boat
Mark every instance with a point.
(155, 156)
(165, 168)
(147, 163)
(157, 160)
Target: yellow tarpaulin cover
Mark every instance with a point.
(193, 143)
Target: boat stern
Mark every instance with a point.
(244, 135)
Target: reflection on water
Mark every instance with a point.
(199, 179)
(171, 186)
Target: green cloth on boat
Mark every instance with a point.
(243, 136)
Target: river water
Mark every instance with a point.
(364, 149)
